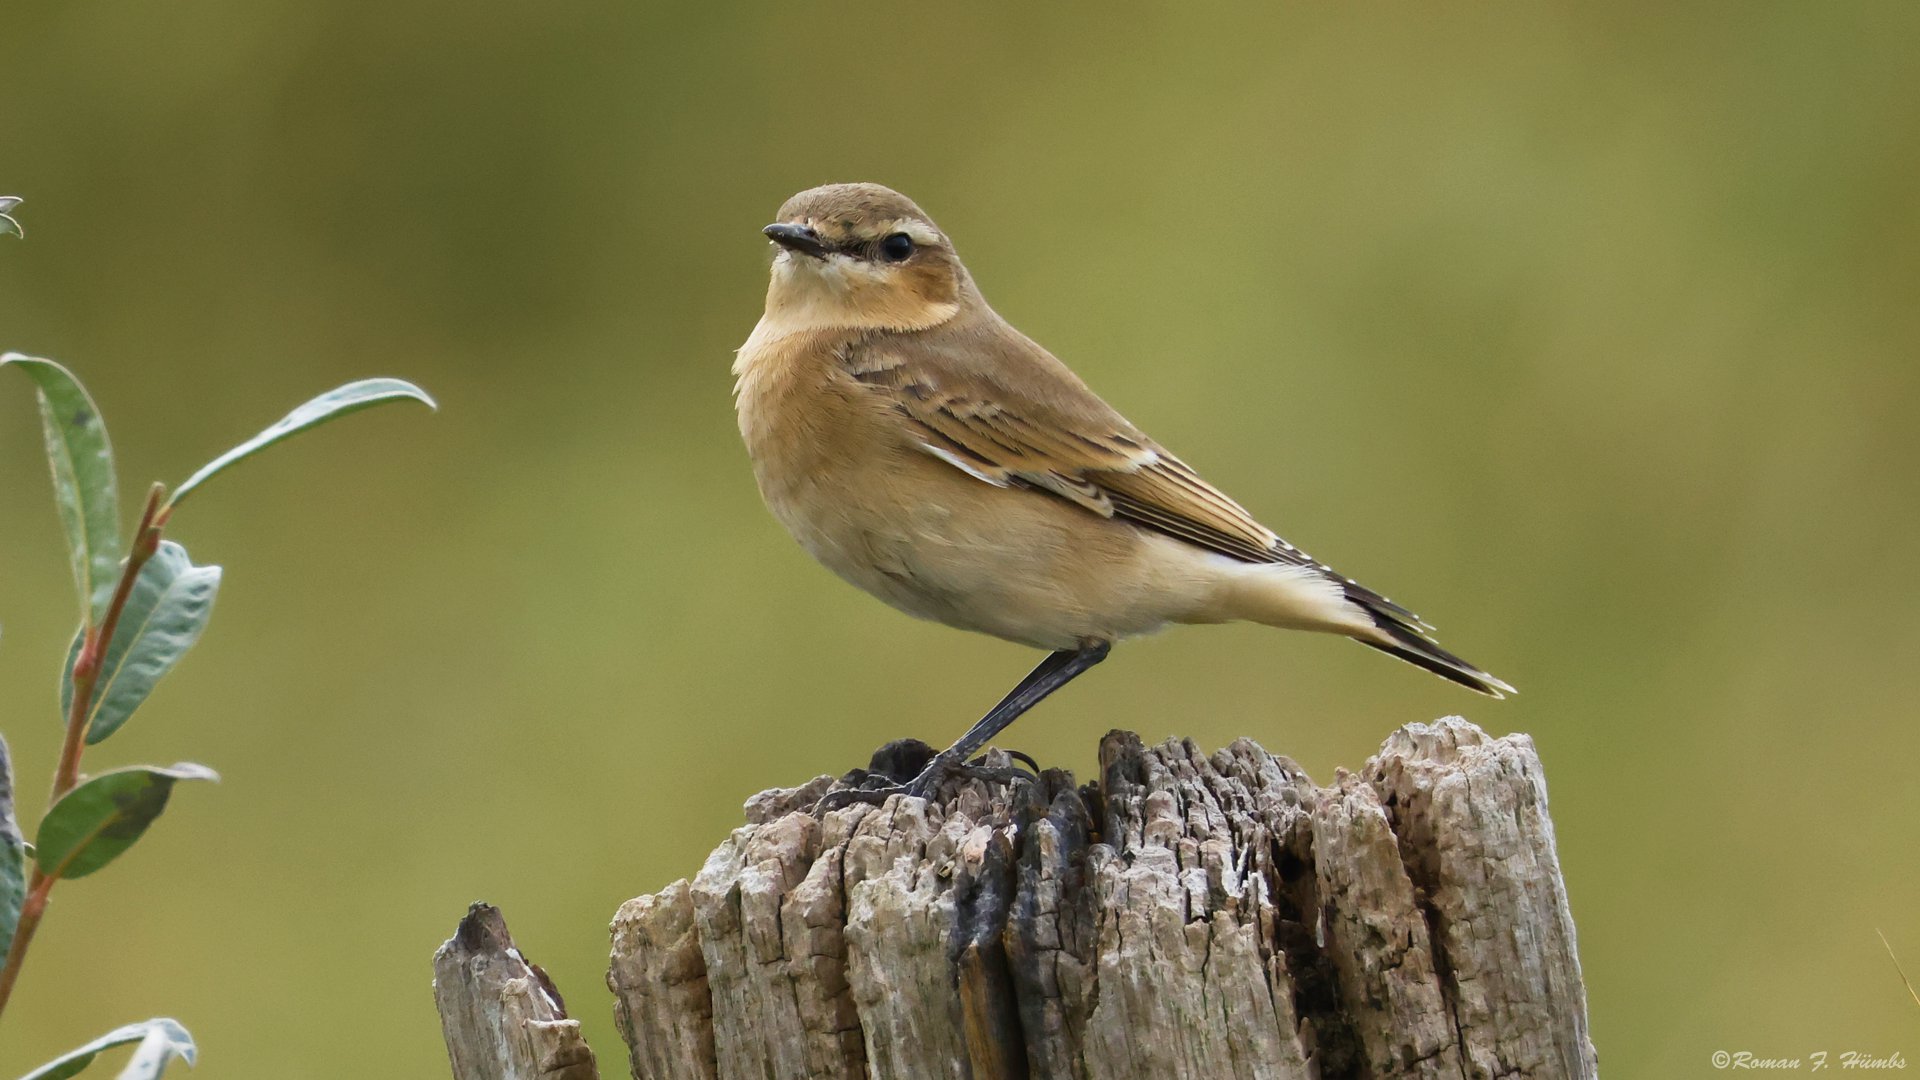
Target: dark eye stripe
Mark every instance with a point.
(875, 250)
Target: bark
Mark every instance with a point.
(1186, 916)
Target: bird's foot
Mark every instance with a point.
(886, 775)
(875, 790)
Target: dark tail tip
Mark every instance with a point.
(1406, 641)
(1448, 666)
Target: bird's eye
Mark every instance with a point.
(897, 247)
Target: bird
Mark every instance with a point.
(923, 449)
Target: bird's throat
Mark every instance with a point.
(808, 294)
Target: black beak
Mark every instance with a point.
(797, 238)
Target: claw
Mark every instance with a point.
(1016, 755)
(842, 798)
(920, 787)
(926, 785)
(996, 774)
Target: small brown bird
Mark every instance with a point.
(923, 449)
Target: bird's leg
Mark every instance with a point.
(1057, 670)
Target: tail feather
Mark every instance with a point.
(1292, 591)
(1403, 635)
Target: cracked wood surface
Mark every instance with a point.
(501, 1016)
(1188, 915)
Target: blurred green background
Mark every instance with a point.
(1592, 334)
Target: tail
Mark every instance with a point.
(1404, 634)
(1299, 594)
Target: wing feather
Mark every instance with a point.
(1045, 429)
(990, 402)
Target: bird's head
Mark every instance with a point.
(861, 256)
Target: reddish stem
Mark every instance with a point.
(30, 912)
(86, 667)
(86, 677)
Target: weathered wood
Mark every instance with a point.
(1189, 915)
(502, 1018)
(1471, 816)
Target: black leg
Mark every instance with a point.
(1057, 670)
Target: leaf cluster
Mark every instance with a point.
(142, 604)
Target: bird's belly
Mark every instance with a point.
(1016, 564)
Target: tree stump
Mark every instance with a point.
(1187, 916)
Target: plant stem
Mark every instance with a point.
(30, 912)
(86, 678)
(86, 667)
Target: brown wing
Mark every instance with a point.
(1040, 426)
(991, 402)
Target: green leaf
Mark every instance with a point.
(167, 608)
(160, 1029)
(92, 824)
(7, 224)
(154, 1053)
(83, 483)
(334, 403)
(13, 859)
